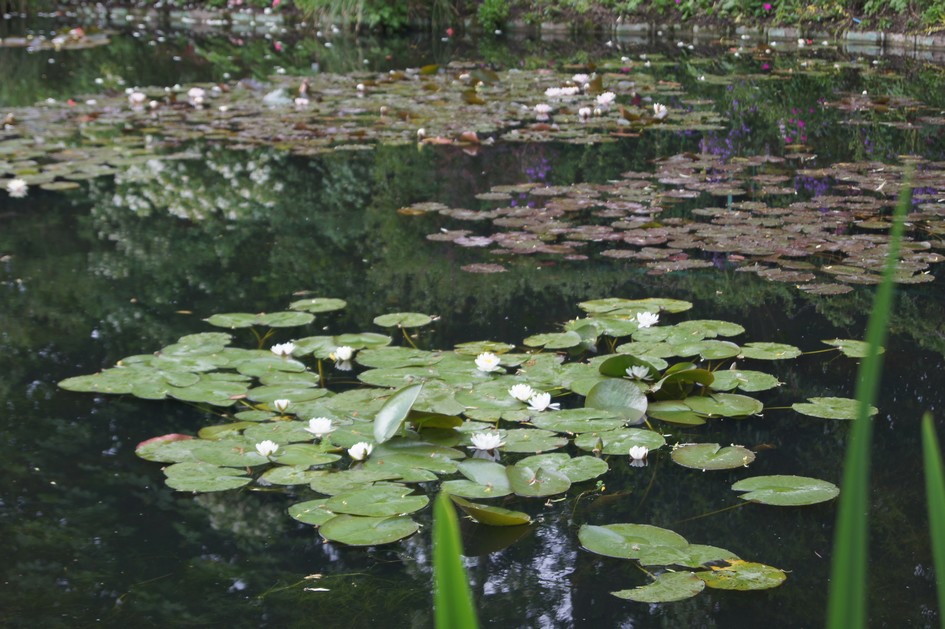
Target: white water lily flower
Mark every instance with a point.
(660, 111)
(342, 354)
(542, 401)
(580, 79)
(521, 392)
(487, 361)
(605, 99)
(319, 426)
(267, 447)
(281, 405)
(486, 440)
(639, 372)
(17, 188)
(283, 349)
(638, 453)
(647, 319)
(584, 113)
(541, 111)
(136, 99)
(360, 451)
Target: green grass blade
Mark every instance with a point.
(452, 600)
(935, 498)
(847, 604)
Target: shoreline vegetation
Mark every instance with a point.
(867, 21)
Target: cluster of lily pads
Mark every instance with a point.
(822, 244)
(477, 419)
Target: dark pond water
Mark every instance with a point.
(128, 263)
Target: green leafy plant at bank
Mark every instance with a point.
(492, 14)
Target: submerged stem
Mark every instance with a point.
(705, 515)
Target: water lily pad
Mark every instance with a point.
(830, 407)
(578, 420)
(577, 469)
(532, 440)
(288, 475)
(666, 588)
(317, 305)
(491, 516)
(397, 357)
(389, 419)
(712, 456)
(692, 556)
(403, 320)
(770, 351)
(486, 473)
(336, 482)
(555, 340)
(281, 432)
(786, 491)
(474, 348)
(357, 530)
(377, 501)
(172, 448)
(620, 397)
(210, 391)
(297, 393)
(619, 441)
(362, 340)
(536, 482)
(675, 412)
(617, 366)
(628, 541)
(743, 575)
(229, 453)
(851, 348)
(744, 379)
(725, 405)
(306, 454)
(311, 512)
(470, 489)
(708, 349)
(199, 476)
(235, 320)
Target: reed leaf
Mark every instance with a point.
(935, 498)
(847, 604)
(452, 599)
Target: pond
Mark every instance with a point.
(760, 196)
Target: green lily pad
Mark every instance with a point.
(532, 440)
(743, 575)
(666, 588)
(229, 453)
(311, 512)
(675, 412)
(786, 491)
(474, 348)
(470, 489)
(712, 456)
(403, 320)
(620, 397)
(296, 393)
(692, 556)
(578, 420)
(210, 391)
(619, 441)
(628, 541)
(334, 482)
(536, 482)
(173, 448)
(770, 351)
(708, 350)
(851, 348)
(362, 340)
(356, 530)
(377, 502)
(744, 379)
(288, 475)
(577, 469)
(724, 405)
(397, 357)
(555, 340)
(305, 454)
(235, 320)
(317, 305)
(389, 419)
(830, 407)
(491, 516)
(205, 477)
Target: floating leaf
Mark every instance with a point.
(743, 575)
(556, 340)
(311, 512)
(620, 397)
(403, 320)
(725, 405)
(388, 420)
(532, 440)
(770, 351)
(628, 541)
(577, 469)
(377, 502)
(199, 476)
(851, 348)
(712, 456)
(317, 305)
(830, 407)
(786, 491)
(744, 379)
(537, 482)
(577, 420)
(668, 587)
(491, 516)
(675, 412)
(356, 530)
(620, 441)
